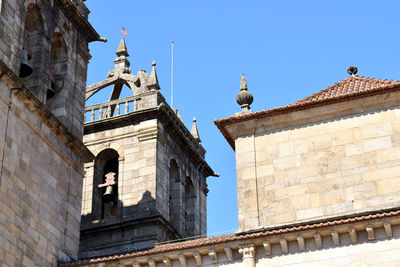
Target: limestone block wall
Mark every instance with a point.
(10, 33)
(327, 161)
(40, 185)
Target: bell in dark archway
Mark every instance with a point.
(25, 69)
(50, 89)
(108, 195)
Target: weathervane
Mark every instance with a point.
(123, 32)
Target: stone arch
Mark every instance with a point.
(175, 201)
(190, 208)
(115, 146)
(105, 194)
(58, 67)
(34, 44)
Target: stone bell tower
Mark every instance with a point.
(147, 183)
(43, 61)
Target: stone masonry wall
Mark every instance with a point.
(317, 163)
(40, 192)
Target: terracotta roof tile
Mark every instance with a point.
(354, 87)
(214, 240)
(349, 86)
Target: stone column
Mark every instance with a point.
(248, 252)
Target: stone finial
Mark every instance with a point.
(195, 132)
(153, 84)
(122, 51)
(243, 83)
(121, 63)
(244, 98)
(352, 70)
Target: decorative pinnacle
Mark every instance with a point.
(153, 84)
(244, 98)
(352, 70)
(122, 51)
(194, 131)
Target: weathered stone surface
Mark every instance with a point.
(343, 156)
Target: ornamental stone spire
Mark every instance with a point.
(153, 84)
(121, 63)
(122, 51)
(194, 131)
(244, 98)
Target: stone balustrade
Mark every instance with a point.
(110, 109)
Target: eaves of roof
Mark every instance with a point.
(215, 240)
(303, 105)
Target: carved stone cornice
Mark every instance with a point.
(81, 23)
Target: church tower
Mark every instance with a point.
(43, 61)
(147, 183)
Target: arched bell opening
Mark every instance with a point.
(105, 185)
(190, 208)
(58, 66)
(174, 195)
(33, 49)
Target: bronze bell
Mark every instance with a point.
(25, 69)
(50, 89)
(108, 195)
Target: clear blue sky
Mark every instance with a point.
(287, 50)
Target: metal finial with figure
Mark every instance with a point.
(352, 70)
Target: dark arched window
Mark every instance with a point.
(58, 65)
(105, 185)
(175, 206)
(190, 208)
(33, 48)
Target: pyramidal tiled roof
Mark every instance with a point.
(346, 87)
(354, 87)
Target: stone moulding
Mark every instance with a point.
(72, 13)
(49, 118)
(302, 237)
